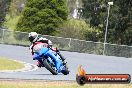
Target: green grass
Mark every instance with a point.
(7, 64)
(59, 84)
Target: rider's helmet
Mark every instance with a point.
(33, 36)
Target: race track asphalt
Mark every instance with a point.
(93, 64)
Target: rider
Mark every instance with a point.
(34, 39)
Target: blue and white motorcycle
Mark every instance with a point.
(51, 60)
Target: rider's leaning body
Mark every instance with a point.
(36, 41)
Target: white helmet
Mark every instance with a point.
(33, 36)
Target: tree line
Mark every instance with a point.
(54, 17)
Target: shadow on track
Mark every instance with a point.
(46, 74)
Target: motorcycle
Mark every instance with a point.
(51, 60)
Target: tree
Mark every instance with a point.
(123, 22)
(120, 19)
(4, 6)
(91, 12)
(16, 7)
(43, 16)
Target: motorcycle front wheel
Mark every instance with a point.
(49, 67)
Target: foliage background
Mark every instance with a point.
(89, 26)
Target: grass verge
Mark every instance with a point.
(58, 84)
(8, 64)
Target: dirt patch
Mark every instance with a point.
(39, 82)
(55, 84)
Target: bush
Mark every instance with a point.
(73, 28)
(79, 29)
